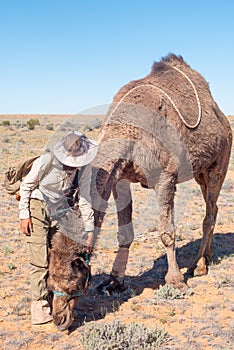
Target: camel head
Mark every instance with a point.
(69, 278)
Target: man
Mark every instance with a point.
(44, 195)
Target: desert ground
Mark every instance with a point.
(202, 318)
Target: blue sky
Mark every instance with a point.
(66, 56)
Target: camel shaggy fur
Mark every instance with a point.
(162, 130)
(69, 277)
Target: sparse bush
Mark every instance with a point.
(87, 127)
(97, 123)
(19, 124)
(223, 282)
(22, 307)
(67, 125)
(7, 250)
(117, 336)
(5, 123)
(31, 123)
(49, 127)
(11, 266)
(36, 121)
(170, 292)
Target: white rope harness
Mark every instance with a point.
(197, 98)
(170, 99)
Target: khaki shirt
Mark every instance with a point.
(47, 181)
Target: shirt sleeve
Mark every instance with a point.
(85, 198)
(29, 183)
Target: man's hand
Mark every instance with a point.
(89, 241)
(26, 226)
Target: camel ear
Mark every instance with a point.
(77, 264)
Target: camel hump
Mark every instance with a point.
(168, 61)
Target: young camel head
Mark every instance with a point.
(69, 278)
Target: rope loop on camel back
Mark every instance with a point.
(170, 99)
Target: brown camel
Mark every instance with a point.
(69, 277)
(161, 130)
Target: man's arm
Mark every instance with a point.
(29, 183)
(85, 198)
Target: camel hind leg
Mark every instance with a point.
(211, 182)
(166, 191)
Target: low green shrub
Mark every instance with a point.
(31, 123)
(118, 336)
(11, 266)
(170, 292)
(5, 123)
(7, 250)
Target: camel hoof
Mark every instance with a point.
(111, 286)
(200, 269)
(182, 286)
(176, 280)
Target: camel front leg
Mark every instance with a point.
(123, 201)
(166, 192)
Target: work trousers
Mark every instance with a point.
(37, 249)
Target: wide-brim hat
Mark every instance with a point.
(75, 149)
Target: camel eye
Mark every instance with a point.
(77, 264)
